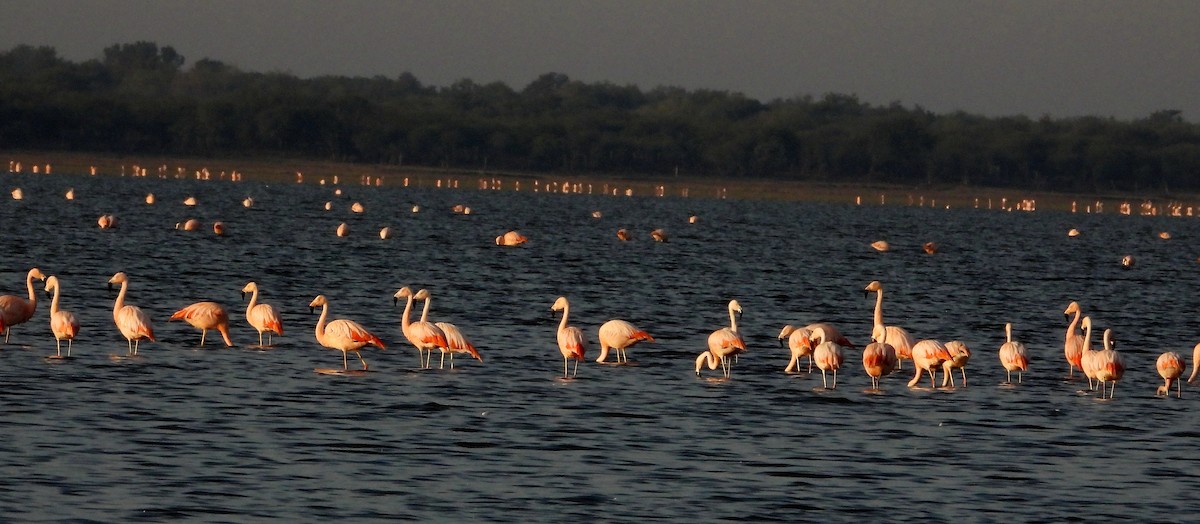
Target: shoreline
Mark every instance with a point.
(287, 170)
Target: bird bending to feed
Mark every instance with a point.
(341, 334)
(106, 222)
(799, 341)
(623, 234)
(927, 355)
(16, 310)
(722, 344)
(456, 342)
(131, 321)
(1110, 367)
(425, 336)
(896, 335)
(511, 238)
(205, 316)
(1073, 343)
(1170, 367)
(619, 335)
(63, 324)
(1013, 355)
(959, 355)
(570, 338)
(827, 355)
(262, 317)
(659, 235)
(879, 357)
(930, 248)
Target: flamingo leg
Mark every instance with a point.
(452, 361)
(203, 332)
(810, 363)
(441, 365)
(345, 365)
(963, 370)
(835, 378)
(565, 374)
(932, 384)
(69, 341)
(575, 373)
(364, 362)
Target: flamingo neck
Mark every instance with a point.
(1008, 333)
(1074, 322)
(54, 301)
(253, 301)
(1087, 338)
(562, 324)
(879, 307)
(120, 302)
(320, 331)
(732, 320)
(425, 311)
(404, 321)
(32, 293)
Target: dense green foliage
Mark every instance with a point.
(139, 99)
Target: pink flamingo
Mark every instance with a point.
(63, 324)
(570, 338)
(1073, 343)
(205, 316)
(723, 343)
(959, 355)
(1195, 366)
(423, 335)
(879, 357)
(896, 335)
(1087, 357)
(1014, 356)
(131, 321)
(1110, 367)
(827, 355)
(343, 335)
(799, 341)
(16, 310)
(456, 342)
(619, 335)
(927, 355)
(511, 238)
(262, 317)
(1170, 367)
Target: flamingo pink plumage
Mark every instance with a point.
(879, 357)
(16, 310)
(63, 324)
(723, 343)
(131, 321)
(1110, 367)
(456, 342)
(1170, 367)
(570, 338)
(423, 335)
(959, 355)
(1087, 357)
(927, 355)
(619, 335)
(511, 238)
(827, 356)
(262, 317)
(343, 335)
(897, 336)
(799, 341)
(1073, 342)
(205, 316)
(1014, 356)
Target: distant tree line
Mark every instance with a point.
(139, 99)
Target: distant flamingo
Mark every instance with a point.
(570, 338)
(723, 343)
(881, 245)
(1195, 363)
(343, 230)
(832, 332)
(619, 335)
(63, 324)
(262, 317)
(205, 316)
(959, 355)
(1013, 355)
(799, 341)
(827, 355)
(1073, 343)
(623, 234)
(456, 342)
(341, 334)
(16, 310)
(218, 228)
(896, 335)
(930, 248)
(511, 238)
(385, 233)
(879, 357)
(1087, 356)
(425, 336)
(133, 323)
(1110, 367)
(927, 355)
(106, 222)
(1170, 367)
(190, 224)
(659, 235)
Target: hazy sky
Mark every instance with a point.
(1107, 58)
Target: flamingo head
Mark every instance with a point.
(559, 304)
(118, 278)
(404, 292)
(51, 284)
(316, 303)
(735, 307)
(1073, 307)
(37, 273)
(787, 332)
(422, 295)
(250, 288)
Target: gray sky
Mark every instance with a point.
(1106, 58)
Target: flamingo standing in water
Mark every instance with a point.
(262, 317)
(16, 310)
(423, 335)
(879, 357)
(1013, 355)
(131, 321)
(343, 335)
(959, 355)
(511, 238)
(1073, 343)
(570, 338)
(827, 355)
(927, 355)
(799, 341)
(1170, 367)
(63, 324)
(205, 316)
(1195, 364)
(1110, 367)
(1087, 357)
(896, 335)
(723, 343)
(619, 335)
(456, 342)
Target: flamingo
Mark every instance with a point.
(343, 335)
(1110, 367)
(132, 322)
(16, 310)
(1073, 343)
(206, 316)
(456, 342)
(343, 230)
(1013, 355)
(881, 245)
(106, 222)
(832, 332)
(959, 355)
(879, 357)
(423, 335)
(897, 336)
(623, 234)
(1086, 355)
(927, 355)
(218, 228)
(385, 233)
(619, 335)
(570, 338)
(262, 317)
(827, 355)
(799, 340)
(723, 343)
(659, 235)
(1195, 367)
(1170, 367)
(63, 324)
(511, 238)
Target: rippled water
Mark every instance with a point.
(219, 435)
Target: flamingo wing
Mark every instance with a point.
(264, 318)
(134, 323)
(570, 342)
(351, 336)
(456, 341)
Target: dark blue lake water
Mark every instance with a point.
(236, 435)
